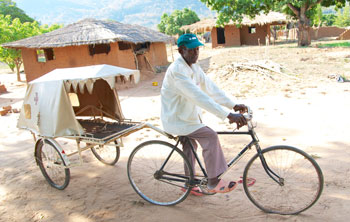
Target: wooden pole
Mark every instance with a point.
(171, 48)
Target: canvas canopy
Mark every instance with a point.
(53, 101)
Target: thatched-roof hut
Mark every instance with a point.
(90, 42)
(251, 32)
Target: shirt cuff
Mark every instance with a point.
(224, 114)
(230, 105)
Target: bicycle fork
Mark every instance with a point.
(267, 169)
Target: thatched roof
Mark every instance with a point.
(262, 19)
(91, 31)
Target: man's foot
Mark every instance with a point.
(223, 187)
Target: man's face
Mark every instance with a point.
(190, 55)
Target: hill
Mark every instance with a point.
(143, 12)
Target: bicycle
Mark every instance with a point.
(288, 181)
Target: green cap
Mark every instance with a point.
(189, 40)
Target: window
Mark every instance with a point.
(44, 55)
(49, 54)
(252, 30)
(73, 97)
(27, 111)
(40, 55)
(124, 45)
(99, 49)
(141, 48)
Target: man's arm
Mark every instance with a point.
(210, 88)
(186, 87)
(220, 97)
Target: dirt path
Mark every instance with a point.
(309, 112)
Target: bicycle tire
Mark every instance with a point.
(107, 154)
(303, 181)
(52, 165)
(143, 168)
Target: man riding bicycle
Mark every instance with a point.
(185, 91)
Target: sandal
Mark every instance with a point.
(223, 187)
(250, 181)
(195, 191)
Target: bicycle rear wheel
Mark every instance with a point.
(156, 172)
(301, 181)
(107, 154)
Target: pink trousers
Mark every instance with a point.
(215, 163)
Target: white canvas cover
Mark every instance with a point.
(47, 109)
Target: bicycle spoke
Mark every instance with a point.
(52, 165)
(302, 177)
(155, 186)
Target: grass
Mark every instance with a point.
(333, 45)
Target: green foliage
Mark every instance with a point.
(316, 18)
(235, 9)
(328, 20)
(343, 17)
(45, 28)
(303, 10)
(332, 45)
(12, 30)
(170, 24)
(8, 7)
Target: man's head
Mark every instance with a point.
(188, 47)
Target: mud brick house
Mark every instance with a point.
(251, 32)
(92, 42)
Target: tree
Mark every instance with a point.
(317, 16)
(302, 10)
(343, 17)
(8, 7)
(12, 30)
(170, 24)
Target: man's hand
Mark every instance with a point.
(241, 108)
(239, 119)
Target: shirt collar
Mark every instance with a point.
(182, 60)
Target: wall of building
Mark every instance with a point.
(154, 56)
(240, 36)
(157, 54)
(326, 31)
(253, 38)
(75, 56)
(232, 36)
(214, 38)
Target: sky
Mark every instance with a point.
(142, 12)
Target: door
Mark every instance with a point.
(221, 35)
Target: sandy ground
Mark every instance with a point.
(302, 108)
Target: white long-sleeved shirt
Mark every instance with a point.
(184, 92)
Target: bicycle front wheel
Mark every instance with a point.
(52, 164)
(156, 172)
(298, 188)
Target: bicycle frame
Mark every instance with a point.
(254, 142)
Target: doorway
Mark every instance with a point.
(221, 35)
